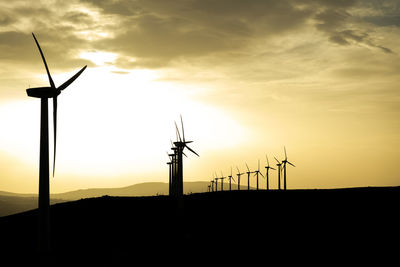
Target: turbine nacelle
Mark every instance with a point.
(42, 92)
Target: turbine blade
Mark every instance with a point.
(73, 78)
(55, 131)
(177, 132)
(237, 169)
(258, 165)
(291, 164)
(247, 167)
(191, 150)
(183, 131)
(272, 168)
(231, 170)
(267, 159)
(262, 175)
(44, 61)
(277, 160)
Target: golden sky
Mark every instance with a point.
(249, 77)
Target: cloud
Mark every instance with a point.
(344, 29)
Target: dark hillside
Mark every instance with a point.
(220, 226)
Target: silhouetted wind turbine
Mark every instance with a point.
(258, 172)
(216, 182)
(238, 175)
(279, 173)
(181, 145)
(222, 181)
(212, 185)
(284, 162)
(172, 168)
(44, 93)
(230, 180)
(248, 177)
(267, 171)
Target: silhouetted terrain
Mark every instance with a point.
(236, 227)
(11, 203)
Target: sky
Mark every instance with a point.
(248, 77)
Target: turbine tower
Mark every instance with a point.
(222, 181)
(238, 175)
(284, 162)
(258, 172)
(230, 180)
(212, 185)
(267, 171)
(248, 177)
(172, 170)
(279, 173)
(180, 146)
(44, 93)
(216, 182)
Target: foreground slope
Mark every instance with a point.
(223, 225)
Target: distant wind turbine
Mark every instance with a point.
(222, 181)
(230, 180)
(284, 162)
(257, 172)
(248, 177)
(44, 93)
(238, 175)
(267, 171)
(216, 182)
(279, 173)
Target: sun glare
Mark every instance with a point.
(116, 124)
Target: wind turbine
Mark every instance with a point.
(279, 173)
(212, 185)
(258, 172)
(44, 93)
(267, 171)
(222, 181)
(172, 168)
(248, 177)
(216, 181)
(238, 175)
(181, 145)
(230, 180)
(284, 162)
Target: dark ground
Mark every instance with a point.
(238, 227)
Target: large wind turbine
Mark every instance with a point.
(258, 172)
(238, 175)
(44, 93)
(267, 171)
(284, 162)
(279, 173)
(181, 145)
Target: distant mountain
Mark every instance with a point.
(11, 203)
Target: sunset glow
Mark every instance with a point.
(319, 77)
